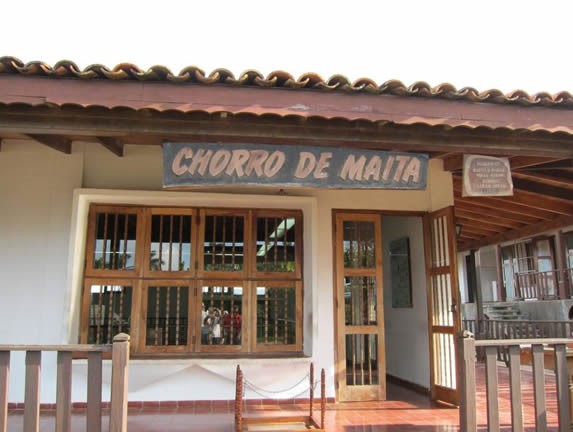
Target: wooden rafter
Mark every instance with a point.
(542, 189)
(493, 210)
(527, 231)
(455, 162)
(57, 142)
(114, 145)
(481, 217)
(554, 181)
(529, 200)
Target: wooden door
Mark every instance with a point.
(359, 312)
(443, 303)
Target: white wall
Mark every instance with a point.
(407, 344)
(41, 225)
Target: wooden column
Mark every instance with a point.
(4, 378)
(561, 264)
(501, 293)
(478, 295)
(467, 360)
(119, 379)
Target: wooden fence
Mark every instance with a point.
(33, 361)
(467, 361)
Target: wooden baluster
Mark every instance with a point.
(4, 380)
(93, 414)
(515, 388)
(492, 389)
(32, 392)
(562, 381)
(119, 375)
(539, 388)
(64, 392)
(311, 388)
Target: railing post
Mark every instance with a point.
(4, 379)
(119, 375)
(467, 357)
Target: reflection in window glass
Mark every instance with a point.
(276, 315)
(221, 315)
(170, 248)
(167, 315)
(360, 300)
(109, 312)
(223, 248)
(359, 244)
(114, 247)
(275, 244)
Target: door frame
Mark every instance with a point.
(439, 393)
(371, 392)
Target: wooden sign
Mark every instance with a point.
(486, 176)
(193, 164)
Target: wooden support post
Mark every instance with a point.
(467, 360)
(501, 293)
(239, 400)
(562, 276)
(119, 380)
(311, 389)
(4, 379)
(322, 399)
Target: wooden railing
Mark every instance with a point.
(467, 361)
(538, 285)
(33, 361)
(518, 329)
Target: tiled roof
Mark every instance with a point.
(280, 79)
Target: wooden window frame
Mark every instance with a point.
(140, 278)
(271, 348)
(297, 274)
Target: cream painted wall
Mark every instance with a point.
(45, 223)
(36, 191)
(407, 344)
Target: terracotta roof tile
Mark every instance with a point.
(281, 79)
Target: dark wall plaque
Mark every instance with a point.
(195, 164)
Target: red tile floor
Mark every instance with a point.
(404, 411)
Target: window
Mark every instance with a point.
(194, 280)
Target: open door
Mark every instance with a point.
(359, 312)
(443, 303)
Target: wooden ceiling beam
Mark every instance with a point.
(494, 210)
(555, 181)
(57, 142)
(479, 231)
(528, 200)
(481, 225)
(525, 232)
(114, 145)
(482, 218)
(544, 190)
(280, 130)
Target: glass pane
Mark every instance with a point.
(170, 243)
(114, 247)
(444, 360)
(441, 300)
(276, 244)
(109, 312)
(221, 320)
(223, 248)
(359, 244)
(276, 315)
(167, 315)
(360, 300)
(361, 359)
